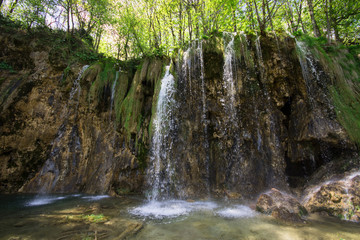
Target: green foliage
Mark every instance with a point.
(138, 28)
(5, 66)
(298, 33)
(95, 218)
(65, 74)
(86, 56)
(105, 78)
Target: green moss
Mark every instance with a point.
(5, 66)
(302, 212)
(142, 154)
(95, 218)
(104, 79)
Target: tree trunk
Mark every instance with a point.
(336, 31)
(261, 26)
(312, 15)
(72, 19)
(13, 5)
(97, 42)
(234, 20)
(328, 25)
(291, 17)
(68, 15)
(189, 21)
(180, 21)
(251, 17)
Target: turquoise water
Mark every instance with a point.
(103, 217)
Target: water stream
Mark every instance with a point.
(51, 172)
(230, 123)
(113, 87)
(161, 171)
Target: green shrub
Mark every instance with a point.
(5, 66)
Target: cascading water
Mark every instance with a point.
(192, 90)
(229, 81)
(113, 87)
(199, 51)
(313, 77)
(230, 122)
(51, 172)
(186, 67)
(161, 171)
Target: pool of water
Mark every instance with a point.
(83, 217)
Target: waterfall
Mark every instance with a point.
(229, 81)
(186, 67)
(304, 59)
(230, 126)
(316, 84)
(192, 95)
(204, 120)
(161, 171)
(55, 167)
(113, 87)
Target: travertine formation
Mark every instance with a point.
(249, 115)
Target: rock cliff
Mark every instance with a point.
(273, 125)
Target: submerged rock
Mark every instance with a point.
(338, 198)
(281, 206)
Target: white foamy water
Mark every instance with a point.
(177, 208)
(237, 211)
(38, 201)
(163, 123)
(171, 209)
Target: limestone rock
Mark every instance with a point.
(53, 139)
(338, 198)
(281, 206)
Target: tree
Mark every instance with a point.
(313, 20)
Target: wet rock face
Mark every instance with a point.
(56, 138)
(279, 128)
(245, 120)
(281, 206)
(339, 198)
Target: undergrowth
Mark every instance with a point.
(63, 47)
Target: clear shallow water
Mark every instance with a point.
(84, 217)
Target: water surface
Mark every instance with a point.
(80, 216)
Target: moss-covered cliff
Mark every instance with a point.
(65, 132)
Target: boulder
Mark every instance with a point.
(281, 206)
(338, 198)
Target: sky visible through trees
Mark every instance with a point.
(133, 28)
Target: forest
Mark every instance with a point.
(127, 29)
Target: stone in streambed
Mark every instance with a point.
(281, 206)
(340, 198)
